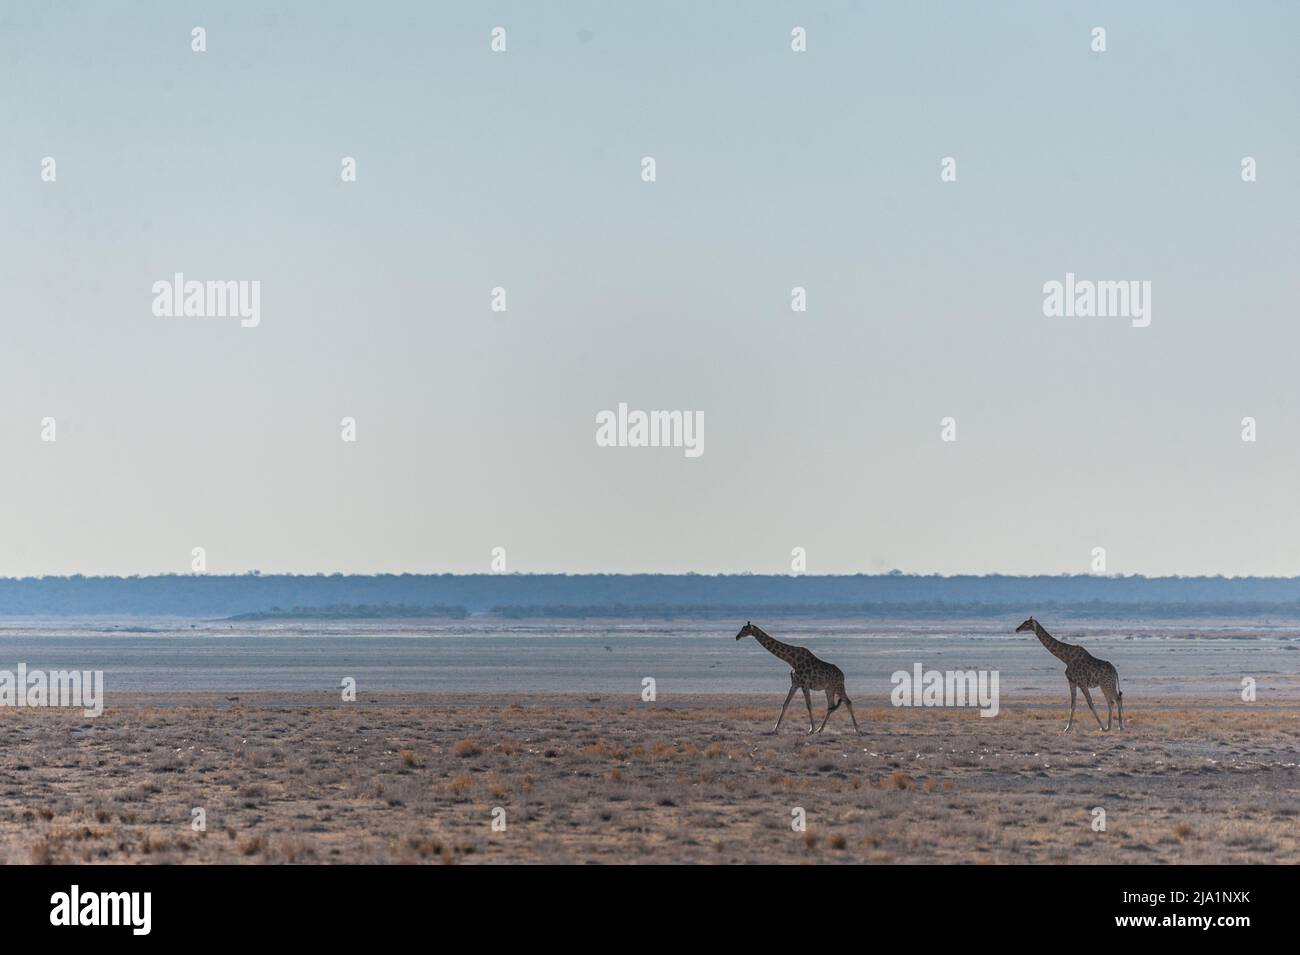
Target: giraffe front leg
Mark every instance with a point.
(1087, 695)
(812, 720)
(788, 697)
(1074, 696)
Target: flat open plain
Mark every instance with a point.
(416, 777)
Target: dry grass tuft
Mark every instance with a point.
(899, 780)
(42, 852)
(605, 749)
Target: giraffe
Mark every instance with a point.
(806, 673)
(1083, 670)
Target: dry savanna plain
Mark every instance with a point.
(408, 778)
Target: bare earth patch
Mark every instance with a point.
(416, 777)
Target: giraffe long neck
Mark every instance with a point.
(775, 647)
(1055, 647)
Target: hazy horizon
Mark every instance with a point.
(976, 575)
(776, 169)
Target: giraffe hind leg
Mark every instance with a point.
(1113, 699)
(788, 697)
(849, 703)
(1087, 695)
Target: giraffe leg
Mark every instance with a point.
(1074, 695)
(788, 697)
(831, 707)
(1087, 695)
(1113, 697)
(812, 721)
(849, 703)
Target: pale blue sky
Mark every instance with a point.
(521, 170)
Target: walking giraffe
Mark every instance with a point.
(806, 673)
(1083, 670)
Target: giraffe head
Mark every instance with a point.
(746, 631)
(1027, 625)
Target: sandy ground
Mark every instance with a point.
(409, 778)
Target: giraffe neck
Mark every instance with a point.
(781, 650)
(1055, 647)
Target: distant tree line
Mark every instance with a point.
(354, 612)
(735, 595)
(884, 611)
